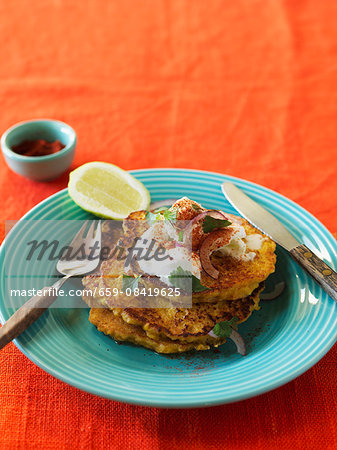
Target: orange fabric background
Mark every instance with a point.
(247, 88)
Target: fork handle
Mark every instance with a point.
(26, 315)
(316, 267)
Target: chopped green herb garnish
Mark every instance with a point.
(185, 280)
(224, 329)
(130, 282)
(158, 214)
(181, 236)
(197, 286)
(170, 214)
(196, 207)
(210, 223)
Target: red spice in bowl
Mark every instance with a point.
(38, 147)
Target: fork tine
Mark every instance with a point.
(80, 233)
(91, 232)
(98, 230)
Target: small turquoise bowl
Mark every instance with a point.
(39, 168)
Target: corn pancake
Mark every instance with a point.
(187, 324)
(235, 293)
(237, 278)
(114, 326)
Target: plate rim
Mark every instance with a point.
(126, 398)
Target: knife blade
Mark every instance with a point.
(264, 221)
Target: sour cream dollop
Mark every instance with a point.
(163, 235)
(240, 245)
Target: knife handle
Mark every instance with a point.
(26, 315)
(316, 268)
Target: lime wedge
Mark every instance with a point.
(107, 190)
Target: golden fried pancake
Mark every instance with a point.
(169, 328)
(187, 324)
(110, 324)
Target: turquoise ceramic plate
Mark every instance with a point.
(285, 338)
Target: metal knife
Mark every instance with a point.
(261, 219)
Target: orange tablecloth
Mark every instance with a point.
(247, 88)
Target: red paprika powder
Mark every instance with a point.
(38, 147)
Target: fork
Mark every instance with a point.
(37, 305)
